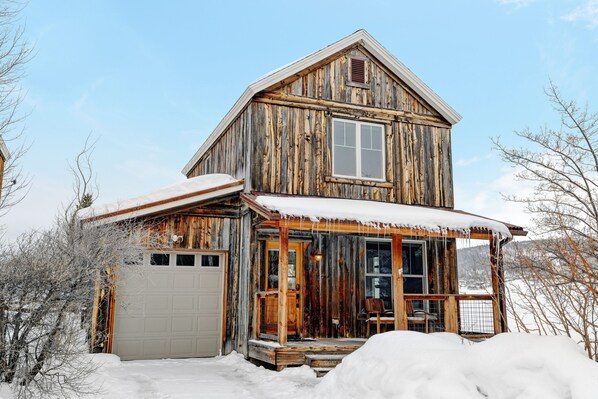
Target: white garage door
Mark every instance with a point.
(170, 307)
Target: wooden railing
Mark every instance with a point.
(471, 315)
(259, 311)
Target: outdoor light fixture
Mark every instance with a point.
(174, 238)
(316, 256)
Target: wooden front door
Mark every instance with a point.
(294, 300)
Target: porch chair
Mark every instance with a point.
(420, 316)
(375, 313)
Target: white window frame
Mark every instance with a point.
(172, 259)
(425, 267)
(358, 125)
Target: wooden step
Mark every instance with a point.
(321, 371)
(323, 360)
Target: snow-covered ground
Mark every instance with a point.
(397, 364)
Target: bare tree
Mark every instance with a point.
(48, 279)
(15, 52)
(558, 276)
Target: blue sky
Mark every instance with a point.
(152, 79)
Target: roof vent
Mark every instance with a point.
(357, 70)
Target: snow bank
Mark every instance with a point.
(380, 214)
(403, 364)
(185, 187)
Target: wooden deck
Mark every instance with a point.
(294, 352)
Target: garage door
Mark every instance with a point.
(170, 307)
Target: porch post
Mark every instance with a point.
(397, 282)
(499, 305)
(283, 284)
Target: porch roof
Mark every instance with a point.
(184, 194)
(347, 215)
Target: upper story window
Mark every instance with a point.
(358, 150)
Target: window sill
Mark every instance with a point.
(372, 183)
(361, 85)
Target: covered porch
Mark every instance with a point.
(405, 256)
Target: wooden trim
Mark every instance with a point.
(257, 208)
(162, 202)
(356, 228)
(224, 302)
(112, 291)
(278, 98)
(360, 182)
(94, 313)
(283, 282)
(400, 321)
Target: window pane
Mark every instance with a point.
(210, 260)
(273, 268)
(379, 287)
(378, 257)
(377, 138)
(185, 260)
(344, 161)
(413, 260)
(136, 260)
(366, 136)
(371, 164)
(350, 134)
(413, 285)
(160, 259)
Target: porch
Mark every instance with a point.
(349, 260)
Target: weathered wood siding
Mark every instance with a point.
(292, 155)
(228, 154)
(330, 81)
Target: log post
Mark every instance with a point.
(283, 285)
(451, 323)
(397, 282)
(257, 317)
(499, 305)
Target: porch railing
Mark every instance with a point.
(260, 317)
(470, 315)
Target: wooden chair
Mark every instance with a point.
(420, 316)
(375, 313)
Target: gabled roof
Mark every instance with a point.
(369, 43)
(184, 194)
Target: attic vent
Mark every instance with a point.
(357, 70)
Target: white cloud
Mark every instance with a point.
(488, 200)
(473, 160)
(515, 3)
(587, 13)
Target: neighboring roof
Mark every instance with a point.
(4, 150)
(377, 214)
(183, 194)
(369, 43)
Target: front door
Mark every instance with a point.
(294, 317)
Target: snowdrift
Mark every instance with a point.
(403, 364)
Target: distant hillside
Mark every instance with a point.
(474, 263)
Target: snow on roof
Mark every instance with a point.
(380, 214)
(369, 43)
(4, 150)
(186, 192)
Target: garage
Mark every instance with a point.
(170, 306)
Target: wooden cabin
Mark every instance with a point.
(328, 182)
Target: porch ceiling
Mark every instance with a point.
(373, 217)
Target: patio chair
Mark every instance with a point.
(420, 316)
(375, 313)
